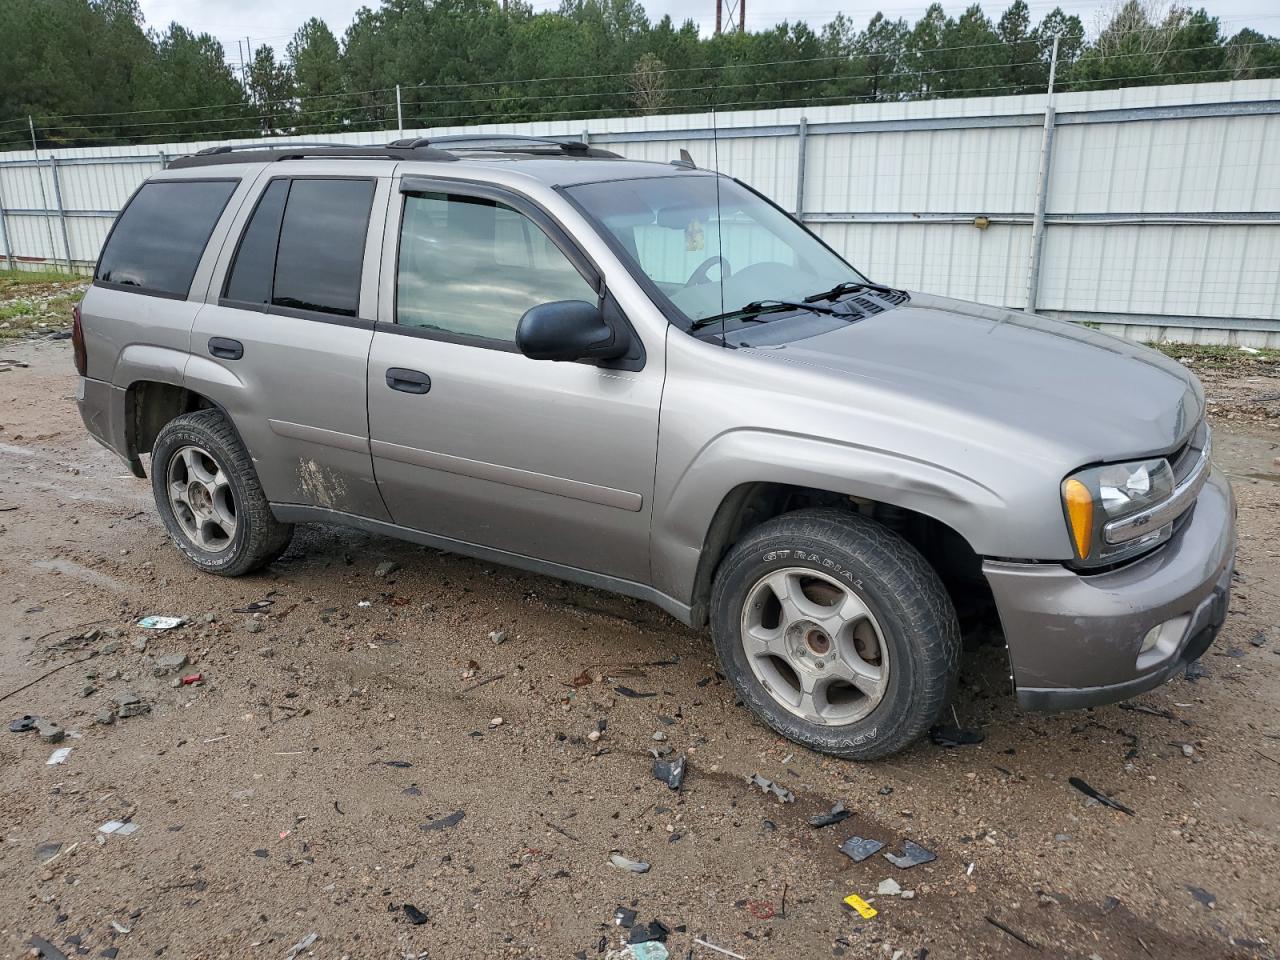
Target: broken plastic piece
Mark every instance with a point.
(912, 855)
(653, 931)
(414, 915)
(253, 607)
(624, 917)
(1196, 671)
(301, 945)
(832, 817)
(649, 950)
(768, 786)
(624, 863)
(947, 736)
(58, 756)
(161, 623)
(452, 820)
(712, 946)
(889, 887)
(632, 694)
(192, 678)
(865, 910)
(670, 772)
(858, 849)
(23, 724)
(1098, 795)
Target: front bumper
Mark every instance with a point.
(1074, 640)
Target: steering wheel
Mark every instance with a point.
(699, 275)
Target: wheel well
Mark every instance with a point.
(149, 405)
(751, 504)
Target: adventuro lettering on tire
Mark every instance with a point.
(835, 632)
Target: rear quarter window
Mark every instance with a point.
(157, 243)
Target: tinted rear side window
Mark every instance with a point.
(250, 280)
(157, 242)
(321, 249)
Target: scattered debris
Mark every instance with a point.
(498, 637)
(1196, 671)
(414, 915)
(865, 910)
(1110, 904)
(768, 786)
(584, 679)
(648, 950)
(169, 663)
(912, 855)
(1259, 639)
(120, 828)
(658, 736)
(192, 678)
(482, 683)
(623, 863)
(495, 723)
(728, 953)
(1153, 711)
(398, 764)
(23, 724)
(161, 623)
(129, 704)
(888, 887)
(49, 731)
(858, 849)
(623, 917)
(835, 815)
(653, 932)
(47, 950)
(386, 568)
(301, 945)
(670, 772)
(948, 736)
(58, 756)
(254, 607)
(1012, 932)
(1098, 795)
(444, 823)
(1203, 897)
(632, 694)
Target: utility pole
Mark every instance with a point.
(1042, 189)
(742, 16)
(719, 7)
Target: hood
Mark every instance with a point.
(1094, 395)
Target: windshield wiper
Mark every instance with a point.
(849, 286)
(757, 307)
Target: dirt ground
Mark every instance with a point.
(313, 782)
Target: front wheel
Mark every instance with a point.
(836, 632)
(209, 498)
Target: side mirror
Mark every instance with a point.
(567, 330)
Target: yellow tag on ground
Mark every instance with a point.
(865, 910)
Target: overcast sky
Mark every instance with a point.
(275, 21)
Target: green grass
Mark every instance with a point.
(1215, 356)
(13, 279)
(22, 317)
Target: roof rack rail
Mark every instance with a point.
(246, 153)
(232, 147)
(506, 143)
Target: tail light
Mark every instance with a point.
(77, 342)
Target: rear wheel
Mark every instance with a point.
(836, 632)
(209, 498)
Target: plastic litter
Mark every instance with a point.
(711, 946)
(670, 772)
(1098, 795)
(865, 910)
(414, 915)
(161, 623)
(768, 786)
(47, 950)
(253, 607)
(1012, 932)
(829, 819)
(624, 863)
(444, 823)
(192, 678)
(649, 950)
(858, 849)
(889, 888)
(1196, 671)
(948, 736)
(632, 694)
(654, 931)
(301, 945)
(912, 855)
(58, 756)
(23, 724)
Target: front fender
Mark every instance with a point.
(685, 510)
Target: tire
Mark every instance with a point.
(891, 616)
(228, 529)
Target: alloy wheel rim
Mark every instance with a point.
(201, 498)
(815, 646)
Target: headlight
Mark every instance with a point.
(1098, 496)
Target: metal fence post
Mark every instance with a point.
(399, 113)
(62, 214)
(44, 196)
(1042, 190)
(4, 227)
(801, 149)
(164, 160)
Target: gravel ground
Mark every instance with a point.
(364, 742)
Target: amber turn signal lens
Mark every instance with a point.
(1079, 503)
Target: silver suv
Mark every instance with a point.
(648, 378)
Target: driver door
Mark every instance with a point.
(472, 441)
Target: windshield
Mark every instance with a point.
(707, 258)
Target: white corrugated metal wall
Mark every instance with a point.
(1162, 203)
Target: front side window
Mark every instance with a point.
(303, 248)
(710, 245)
(157, 243)
(472, 267)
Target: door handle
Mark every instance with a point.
(225, 349)
(408, 381)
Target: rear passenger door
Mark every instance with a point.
(284, 343)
